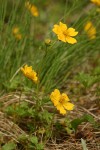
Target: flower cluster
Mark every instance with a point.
(32, 8)
(64, 33)
(97, 2)
(17, 33)
(61, 101)
(29, 73)
(90, 30)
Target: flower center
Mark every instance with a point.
(65, 33)
(61, 100)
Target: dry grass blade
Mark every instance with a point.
(9, 129)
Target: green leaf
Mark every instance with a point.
(88, 118)
(46, 116)
(22, 109)
(10, 110)
(34, 140)
(40, 146)
(75, 123)
(84, 118)
(9, 146)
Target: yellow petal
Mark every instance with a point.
(55, 97)
(63, 26)
(62, 37)
(22, 69)
(72, 32)
(35, 79)
(56, 29)
(61, 109)
(15, 30)
(88, 26)
(18, 36)
(68, 106)
(71, 40)
(97, 2)
(65, 97)
(92, 37)
(92, 31)
(34, 11)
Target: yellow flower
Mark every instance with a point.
(97, 2)
(32, 8)
(34, 11)
(65, 34)
(17, 33)
(90, 30)
(18, 36)
(29, 73)
(61, 101)
(15, 30)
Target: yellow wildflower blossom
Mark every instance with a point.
(34, 11)
(97, 2)
(15, 30)
(29, 73)
(17, 33)
(61, 101)
(90, 30)
(32, 8)
(65, 34)
(18, 36)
